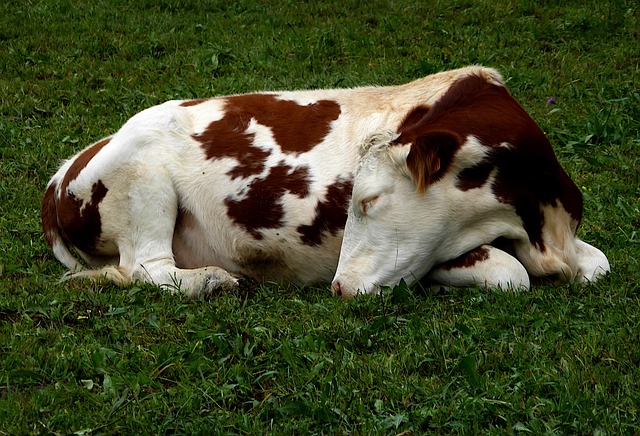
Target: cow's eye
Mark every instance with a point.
(367, 203)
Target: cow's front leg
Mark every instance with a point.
(485, 266)
(592, 263)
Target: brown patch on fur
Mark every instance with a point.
(262, 208)
(474, 177)
(48, 216)
(529, 174)
(195, 102)
(79, 222)
(296, 128)
(331, 214)
(81, 162)
(413, 118)
(468, 259)
(227, 138)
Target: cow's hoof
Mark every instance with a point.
(247, 285)
(216, 284)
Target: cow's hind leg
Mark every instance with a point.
(485, 266)
(154, 209)
(139, 219)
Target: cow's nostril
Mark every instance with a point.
(337, 289)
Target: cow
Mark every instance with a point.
(445, 177)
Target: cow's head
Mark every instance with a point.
(403, 216)
(472, 168)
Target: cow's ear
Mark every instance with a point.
(430, 156)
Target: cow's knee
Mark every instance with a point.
(485, 266)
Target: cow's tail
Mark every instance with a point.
(53, 234)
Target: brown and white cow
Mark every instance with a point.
(191, 195)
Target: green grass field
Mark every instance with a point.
(96, 359)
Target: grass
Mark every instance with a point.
(95, 359)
